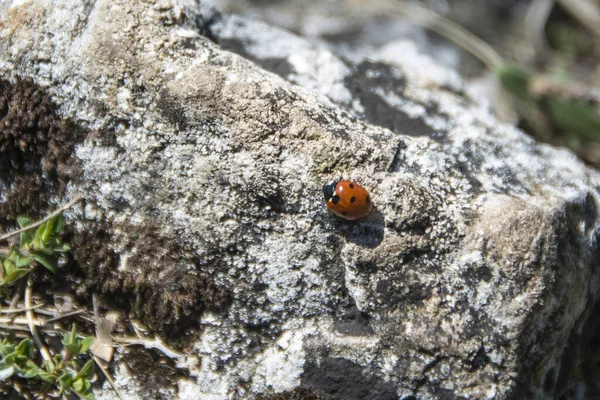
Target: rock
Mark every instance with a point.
(475, 276)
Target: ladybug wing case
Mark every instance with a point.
(347, 200)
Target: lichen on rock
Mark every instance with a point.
(201, 151)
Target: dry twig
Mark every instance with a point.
(20, 310)
(70, 204)
(155, 343)
(65, 316)
(584, 11)
(30, 320)
(453, 32)
(107, 376)
(535, 23)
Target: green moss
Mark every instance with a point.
(36, 149)
(151, 372)
(161, 283)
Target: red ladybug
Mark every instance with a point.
(347, 199)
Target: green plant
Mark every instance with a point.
(573, 118)
(16, 360)
(64, 373)
(516, 80)
(39, 245)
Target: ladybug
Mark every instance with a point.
(347, 200)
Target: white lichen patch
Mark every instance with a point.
(309, 66)
(281, 365)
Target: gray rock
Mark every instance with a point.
(474, 277)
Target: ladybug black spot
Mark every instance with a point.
(352, 199)
(368, 199)
(352, 186)
(335, 199)
(344, 213)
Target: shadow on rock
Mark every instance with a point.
(368, 232)
(336, 378)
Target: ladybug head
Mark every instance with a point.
(328, 190)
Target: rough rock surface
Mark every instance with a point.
(201, 140)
